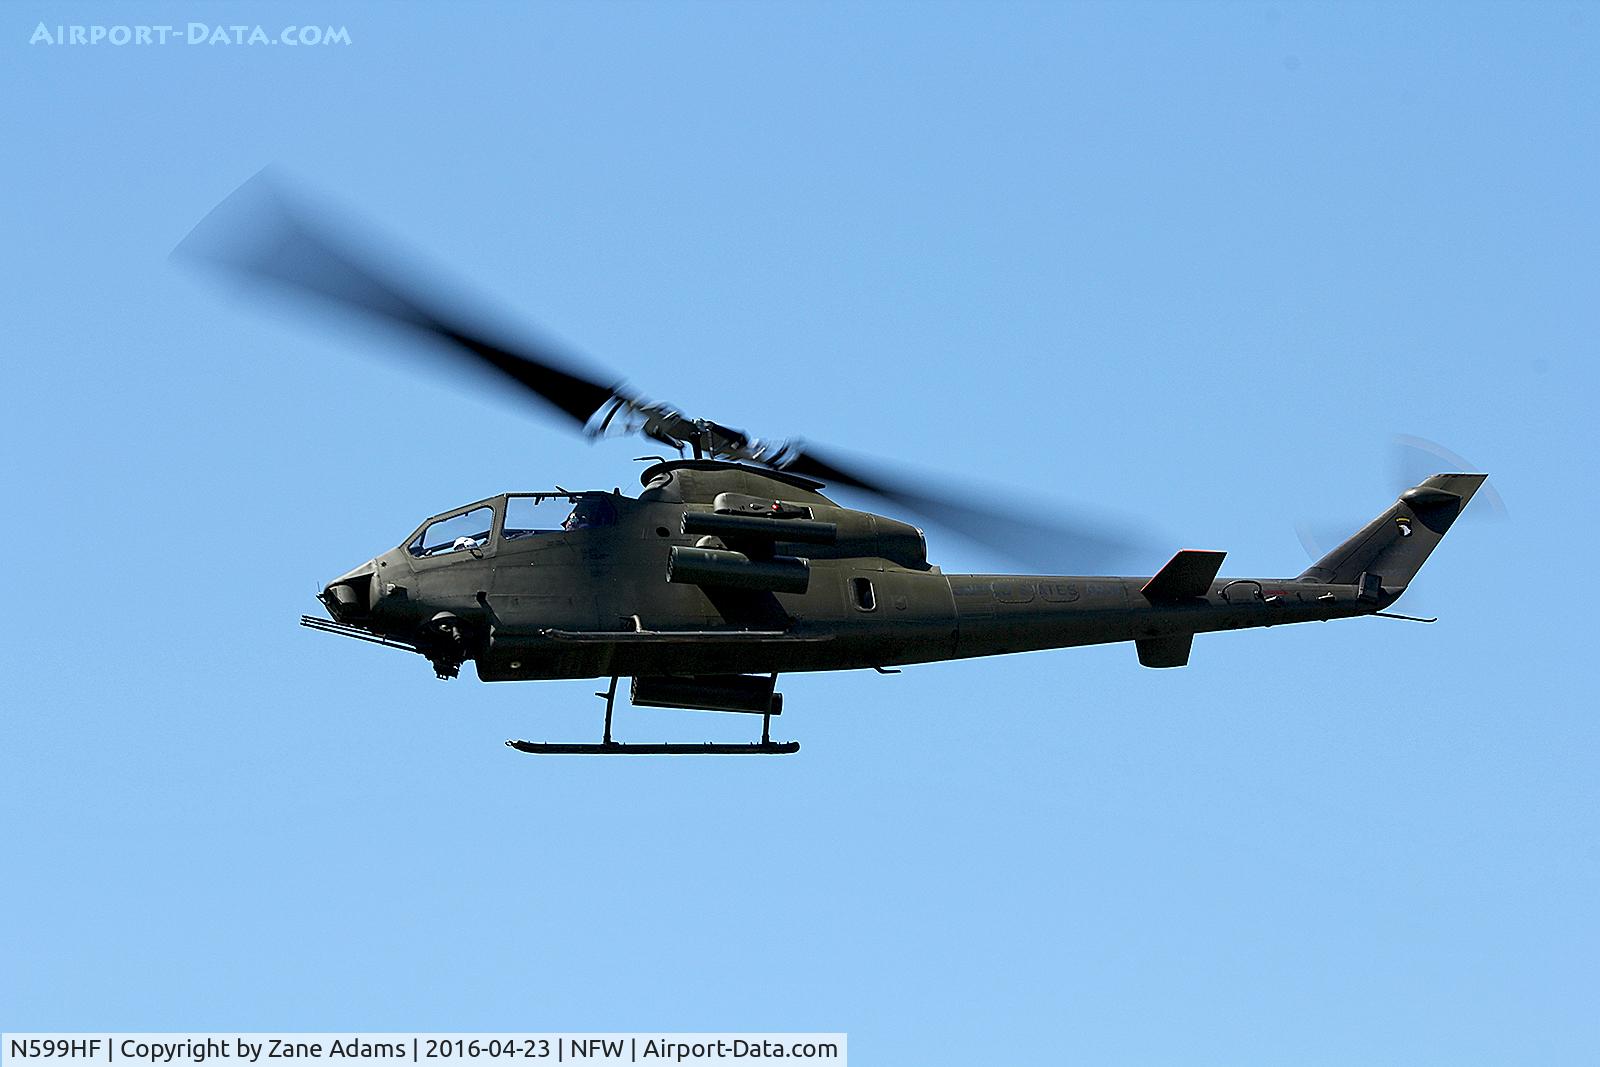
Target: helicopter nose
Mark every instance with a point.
(349, 596)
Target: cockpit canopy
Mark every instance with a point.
(531, 513)
(511, 517)
(454, 533)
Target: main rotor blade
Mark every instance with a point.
(265, 234)
(1023, 530)
(262, 233)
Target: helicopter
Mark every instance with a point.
(732, 566)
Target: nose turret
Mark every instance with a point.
(349, 597)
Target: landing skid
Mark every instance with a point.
(619, 748)
(607, 747)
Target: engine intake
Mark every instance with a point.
(760, 529)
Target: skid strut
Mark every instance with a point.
(607, 747)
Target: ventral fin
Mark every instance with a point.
(1165, 651)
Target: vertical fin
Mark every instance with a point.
(1389, 550)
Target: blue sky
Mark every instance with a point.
(1190, 264)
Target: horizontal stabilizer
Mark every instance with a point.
(1188, 574)
(1165, 651)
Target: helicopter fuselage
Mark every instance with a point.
(596, 595)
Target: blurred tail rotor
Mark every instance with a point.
(1411, 459)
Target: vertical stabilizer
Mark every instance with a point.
(1388, 551)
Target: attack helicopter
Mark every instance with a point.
(732, 565)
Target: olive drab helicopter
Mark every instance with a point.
(732, 565)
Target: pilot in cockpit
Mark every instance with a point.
(590, 512)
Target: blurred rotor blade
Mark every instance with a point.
(1411, 459)
(264, 234)
(1318, 539)
(1019, 528)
